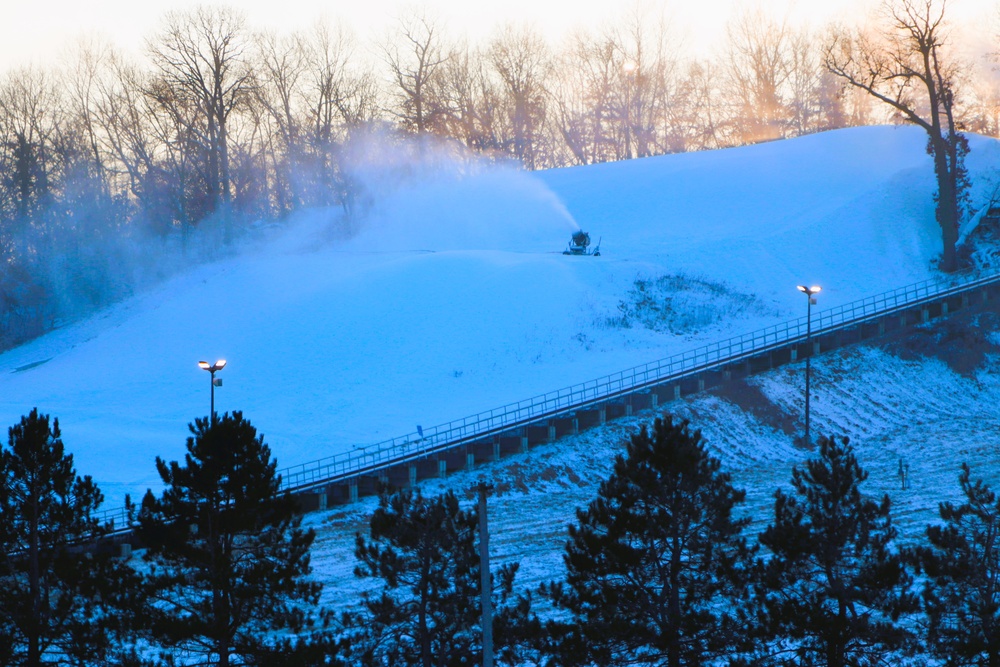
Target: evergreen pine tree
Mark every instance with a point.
(56, 585)
(832, 591)
(962, 567)
(655, 563)
(428, 611)
(228, 558)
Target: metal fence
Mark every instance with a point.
(673, 368)
(116, 519)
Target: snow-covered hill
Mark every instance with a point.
(453, 297)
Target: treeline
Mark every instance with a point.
(108, 163)
(659, 569)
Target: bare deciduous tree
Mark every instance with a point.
(905, 66)
(82, 86)
(981, 95)
(520, 58)
(340, 91)
(617, 95)
(339, 97)
(150, 134)
(29, 120)
(281, 63)
(583, 98)
(647, 91)
(201, 57)
(805, 113)
(473, 101)
(705, 113)
(415, 56)
(758, 69)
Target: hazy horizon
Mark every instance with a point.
(41, 34)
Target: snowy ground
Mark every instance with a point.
(454, 298)
(908, 409)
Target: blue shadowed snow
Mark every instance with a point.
(454, 296)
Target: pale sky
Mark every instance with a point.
(38, 32)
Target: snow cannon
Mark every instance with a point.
(579, 244)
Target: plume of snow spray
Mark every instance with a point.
(415, 194)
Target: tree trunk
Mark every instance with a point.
(219, 607)
(23, 176)
(34, 628)
(212, 177)
(674, 606)
(835, 643)
(226, 192)
(423, 631)
(947, 204)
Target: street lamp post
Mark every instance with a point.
(810, 300)
(216, 382)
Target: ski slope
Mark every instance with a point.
(453, 296)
